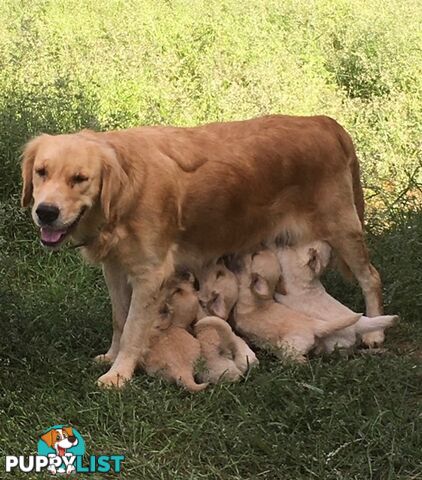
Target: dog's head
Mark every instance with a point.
(265, 274)
(219, 290)
(68, 177)
(259, 273)
(304, 263)
(177, 302)
(60, 439)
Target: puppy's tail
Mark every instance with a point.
(324, 328)
(372, 324)
(225, 333)
(189, 383)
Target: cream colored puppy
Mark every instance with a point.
(219, 349)
(226, 355)
(174, 351)
(286, 332)
(302, 267)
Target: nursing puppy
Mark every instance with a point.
(286, 332)
(227, 356)
(302, 267)
(142, 200)
(174, 352)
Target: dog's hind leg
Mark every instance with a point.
(120, 294)
(348, 242)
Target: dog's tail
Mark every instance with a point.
(187, 381)
(225, 333)
(372, 324)
(324, 328)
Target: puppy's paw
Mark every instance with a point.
(373, 339)
(112, 380)
(105, 359)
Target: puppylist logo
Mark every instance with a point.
(61, 450)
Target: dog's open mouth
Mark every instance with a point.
(53, 237)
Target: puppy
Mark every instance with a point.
(226, 355)
(302, 267)
(286, 332)
(219, 350)
(218, 291)
(174, 351)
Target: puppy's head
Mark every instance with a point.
(265, 274)
(177, 303)
(219, 290)
(305, 262)
(68, 177)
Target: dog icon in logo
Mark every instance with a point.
(61, 439)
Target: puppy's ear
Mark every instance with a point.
(166, 316)
(49, 437)
(114, 181)
(217, 307)
(28, 158)
(186, 275)
(260, 286)
(281, 286)
(314, 261)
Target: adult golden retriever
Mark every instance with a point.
(143, 200)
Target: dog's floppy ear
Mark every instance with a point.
(28, 158)
(166, 316)
(314, 261)
(260, 286)
(114, 180)
(49, 437)
(69, 431)
(183, 273)
(217, 306)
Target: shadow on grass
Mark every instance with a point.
(333, 418)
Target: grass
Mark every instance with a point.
(67, 65)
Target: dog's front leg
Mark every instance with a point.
(120, 295)
(133, 342)
(138, 329)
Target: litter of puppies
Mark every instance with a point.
(272, 299)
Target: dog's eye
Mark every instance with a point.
(177, 290)
(41, 172)
(220, 273)
(79, 178)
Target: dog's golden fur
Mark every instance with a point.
(153, 197)
(174, 351)
(267, 324)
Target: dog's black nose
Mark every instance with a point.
(72, 439)
(47, 213)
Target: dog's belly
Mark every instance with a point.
(225, 226)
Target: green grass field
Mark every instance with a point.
(67, 65)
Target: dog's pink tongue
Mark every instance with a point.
(51, 236)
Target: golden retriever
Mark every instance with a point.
(143, 200)
(174, 352)
(226, 355)
(284, 331)
(302, 266)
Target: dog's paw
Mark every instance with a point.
(104, 359)
(373, 339)
(112, 380)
